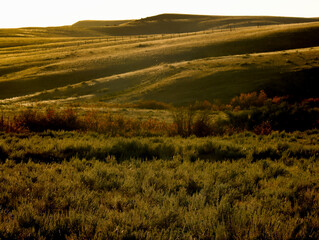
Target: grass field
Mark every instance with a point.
(168, 127)
(84, 186)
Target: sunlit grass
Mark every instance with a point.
(130, 196)
(92, 145)
(206, 60)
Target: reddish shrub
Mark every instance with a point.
(278, 100)
(248, 100)
(263, 129)
(311, 102)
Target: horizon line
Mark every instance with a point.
(132, 19)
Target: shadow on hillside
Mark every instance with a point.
(296, 38)
(225, 85)
(301, 84)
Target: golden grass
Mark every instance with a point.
(66, 185)
(152, 67)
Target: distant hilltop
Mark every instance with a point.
(99, 23)
(181, 23)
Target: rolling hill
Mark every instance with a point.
(170, 58)
(99, 23)
(182, 23)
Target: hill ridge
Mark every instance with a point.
(173, 67)
(181, 23)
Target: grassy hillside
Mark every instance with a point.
(160, 24)
(99, 23)
(182, 23)
(177, 68)
(49, 32)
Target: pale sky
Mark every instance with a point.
(42, 13)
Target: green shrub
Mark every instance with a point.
(283, 116)
(183, 119)
(37, 121)
(3, 153)
(202, 126)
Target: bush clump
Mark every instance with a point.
(249, 112)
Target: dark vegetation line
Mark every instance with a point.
(253, 112)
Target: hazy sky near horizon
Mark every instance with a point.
(42, 13)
